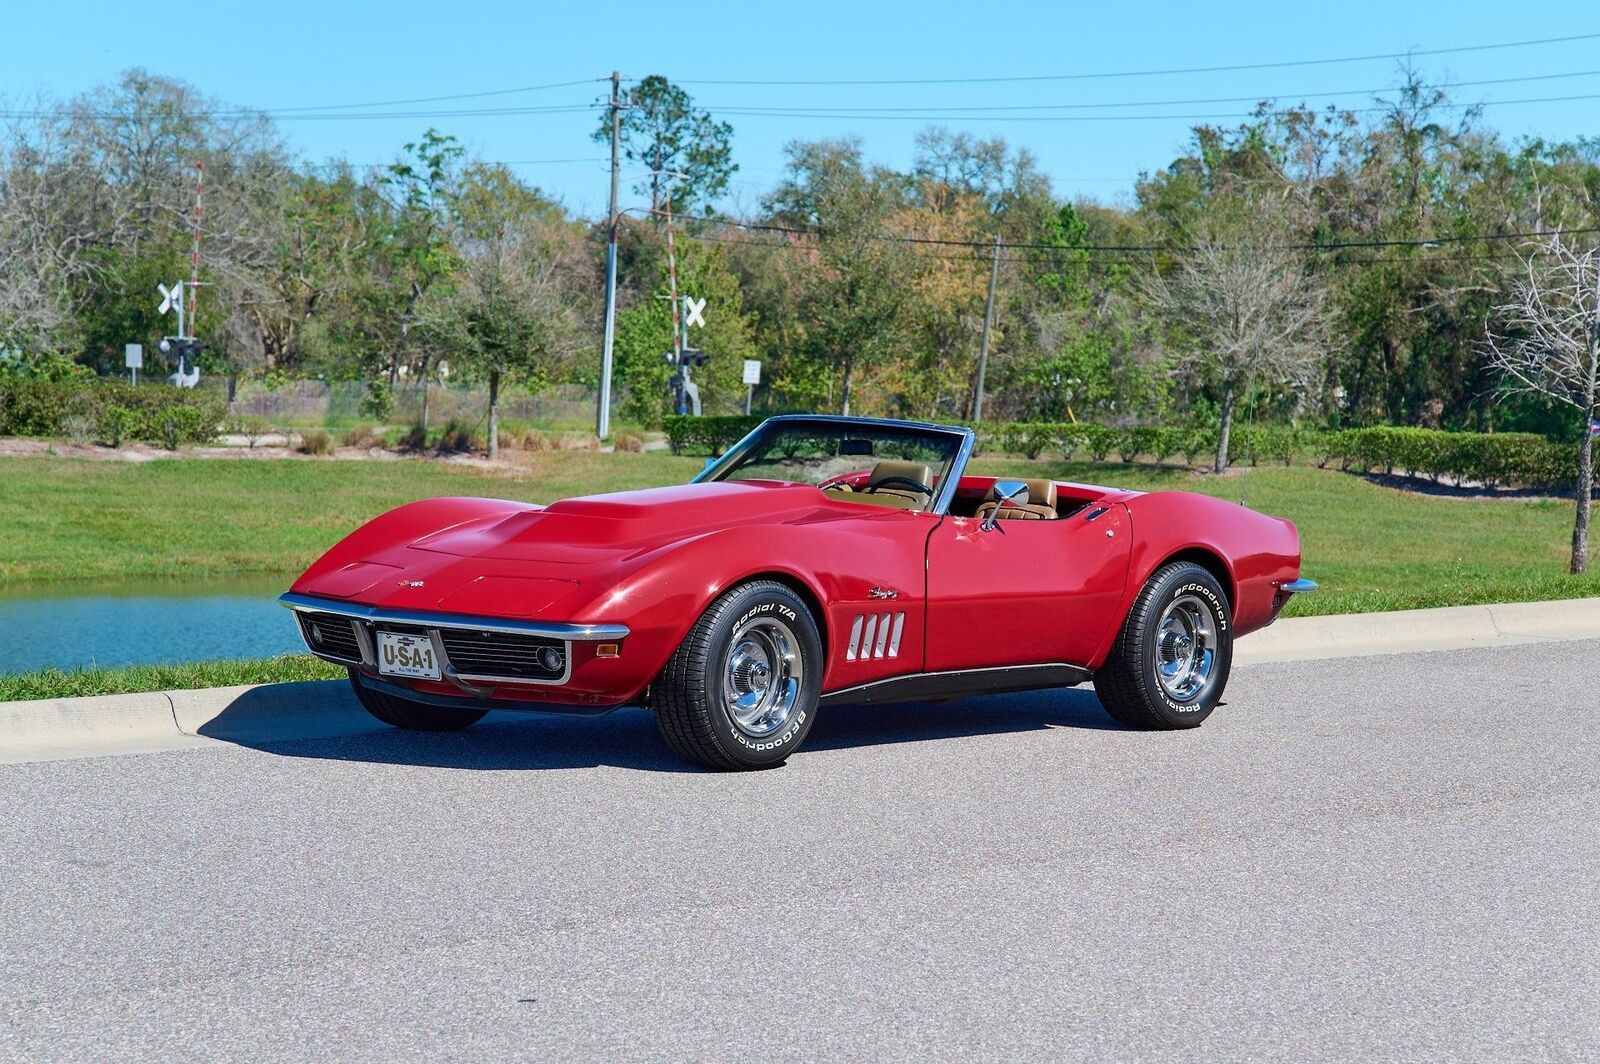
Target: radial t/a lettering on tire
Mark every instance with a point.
(1170, 662)
(741, 690)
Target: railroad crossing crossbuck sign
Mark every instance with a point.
(171, 297)
(693, 312)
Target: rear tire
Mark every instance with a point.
(741, 690)
(412, 716)
(1169, 664)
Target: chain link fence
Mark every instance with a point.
(321, 402)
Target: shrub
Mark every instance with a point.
(115, 423)
(364, 437)
(534, 440)
(1490, 459)
(686, 433)
(459, 436)
(627, 441)
(315, 442)
(80, 428)
(414, 438)
(378, 403)
(580, 442)
(154, 415)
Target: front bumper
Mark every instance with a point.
(506, 658)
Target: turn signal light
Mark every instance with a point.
(606, 650)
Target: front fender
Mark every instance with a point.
(836, 564)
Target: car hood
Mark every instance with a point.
(595, 527)
(516, 559)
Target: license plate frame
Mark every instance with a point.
(407, 654)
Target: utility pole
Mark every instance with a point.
(672, 288)
(602, 419)
(988, 322)
(194, 248)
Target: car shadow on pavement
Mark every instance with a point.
(327, 724)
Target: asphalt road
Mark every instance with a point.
(1390, 857)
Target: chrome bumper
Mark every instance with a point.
(473, 683)
(1296, 587)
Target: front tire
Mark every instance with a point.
(1170, 662)
(412, 716)
(741, 690)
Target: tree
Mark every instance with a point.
(662, 131)
(1547, 342)
(1241, 304)
(421, 190)
(853, 298)
(510, 308)
(644, 332)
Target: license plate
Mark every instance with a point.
(407, 655)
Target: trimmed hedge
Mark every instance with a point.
(118, 412)
(713, 435)
(1492, 459)
(1248, 444)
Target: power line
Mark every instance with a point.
(298, 117)
(441, 99)
(1257, 97)
(755, 112)
(340, 164)
(1157, 73)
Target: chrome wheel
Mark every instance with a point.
(1186, 648)
(762, 675)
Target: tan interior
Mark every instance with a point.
(896, 496)
(1041, 504)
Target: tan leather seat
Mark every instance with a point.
(1041, 504)
(898, 494)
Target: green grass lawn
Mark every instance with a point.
(1378, 548)
(73, 519)
(55, 683)
(1370, 547)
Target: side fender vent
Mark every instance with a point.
(875, 635)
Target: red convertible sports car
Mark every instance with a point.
(821, 560)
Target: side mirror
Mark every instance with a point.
(1006, 493)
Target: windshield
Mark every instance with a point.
(859, 461)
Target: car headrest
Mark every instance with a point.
(1041, 492)
(917, 471)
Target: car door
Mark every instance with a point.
(1025, 592)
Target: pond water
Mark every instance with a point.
(144, 622)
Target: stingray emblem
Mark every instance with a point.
(883, 593)
(411, 583)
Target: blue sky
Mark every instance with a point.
(300, 54)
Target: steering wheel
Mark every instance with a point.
(901, 482)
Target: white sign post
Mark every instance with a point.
(133, 359)
(752, 377)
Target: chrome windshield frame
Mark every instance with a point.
(964, 438)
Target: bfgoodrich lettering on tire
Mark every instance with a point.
(1171, 658)
(741, 690)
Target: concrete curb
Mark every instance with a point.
(102, 725)
(1350, 635)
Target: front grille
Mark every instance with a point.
(522, 657)
(330, 635)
